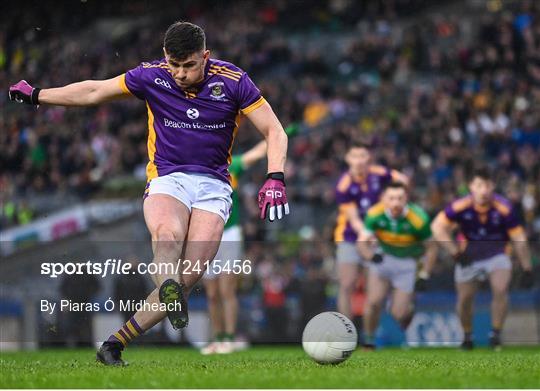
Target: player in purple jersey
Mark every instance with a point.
(357, 190)
(194, 107)
(487, 222)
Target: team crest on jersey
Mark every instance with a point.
(216, 90)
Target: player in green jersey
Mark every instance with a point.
(396, 234)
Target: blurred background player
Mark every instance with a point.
(188, 194)
(487, 221)
(357, 190)
(396, 233)
(221, 287)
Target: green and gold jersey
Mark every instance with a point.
(401, 237)
(236, 169)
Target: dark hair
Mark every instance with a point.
(182, 39)
(482, 172)
(358, 144)
(395, 185)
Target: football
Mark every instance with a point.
(329, 338)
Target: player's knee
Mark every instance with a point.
(167, 233)
(346, 287)
(374, 305)
(499, 292)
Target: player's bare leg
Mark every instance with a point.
(377, 289)
(402, 307)
(500, 281)
(215, 311)
(204, 235)
(464, 308)
(347, 276)
(167, 220)
(229, 301)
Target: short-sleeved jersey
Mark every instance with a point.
(486, 231)
(402, 237)
(236, 169)
(363, 193)
(192, 130)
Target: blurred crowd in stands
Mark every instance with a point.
(433, 87)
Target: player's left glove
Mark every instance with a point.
(421, 282)
(527, 279)
(272, 198)
(22, 92)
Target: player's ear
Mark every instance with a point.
(206, 54)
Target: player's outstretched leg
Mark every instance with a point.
(377, 289)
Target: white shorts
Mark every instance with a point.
(200, 191)
(346, 252)
(230, 248)
(480, 270)
(401, 272)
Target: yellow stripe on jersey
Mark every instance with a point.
(235, 130)
(123, 85)
(513, 232)
(344, 183)
(376, 209)
(395, 239)
(416, 220)
(341, 224)
(461, 204)
(502, 208)
(151, 168)
(223, 68)
(255, 105)
(216, 72)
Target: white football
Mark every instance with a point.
(329, 338)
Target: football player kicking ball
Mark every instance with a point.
(488, 222)
(194, 104)
(396, 233)
(357, 190)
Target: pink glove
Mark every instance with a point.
(272, 197)
(22, 92)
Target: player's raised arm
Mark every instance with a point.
(272, 197)
(84, 93)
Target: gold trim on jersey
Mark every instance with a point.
(341, 223)
(416, 220)
(513, 232)
(395, 239)
(501, 208)
(462, 204)
(376, 209)
(223, 68)
(151, 168)
(255, 105)
(123, 85)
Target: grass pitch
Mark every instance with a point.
(274, 367)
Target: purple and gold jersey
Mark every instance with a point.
(362, 192)
(192, 130)
(486, 231)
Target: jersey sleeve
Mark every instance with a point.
(237, 167)
(132, 82)
(249, 96)
(512, 223)
(450, 213)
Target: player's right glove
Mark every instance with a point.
(462, 258)
(527, 279)
(272, 199)
(22, 92)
